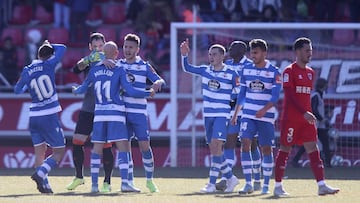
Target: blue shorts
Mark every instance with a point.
(234, 129)
(109, 131)
(137, 126)
(47, 129)
(216, 128)
(265, 130)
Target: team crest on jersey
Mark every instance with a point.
(130, 78)
(214, 85)
(286, 77)
(310, 76)
(300, 77)
(257, 86)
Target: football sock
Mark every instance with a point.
(123, 161)
(148, 161)
(226, 169)
(246, 165)
(215, 168)
(95, 162)
(108, 161)
(46, 167)
(280, 164)
(229, 155)
(131, 168)
(316, 165)
(78, 158)
(256, 161)
(267, 166)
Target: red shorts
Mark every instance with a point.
(296, 133)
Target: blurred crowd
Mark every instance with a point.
(151, 20)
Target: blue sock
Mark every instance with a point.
(95, 162)
(148, 161)
(229, 155)
(267, 166)
(225, 169)
(131, 168)
(46, 167)
(256, 160)
(123, 161)
(246, 165)
(215, 168)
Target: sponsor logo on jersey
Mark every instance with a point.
(286, 77)
(130, 78)
(257, 86)
(214, 85)
(310, 76)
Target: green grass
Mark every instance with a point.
(176, 185)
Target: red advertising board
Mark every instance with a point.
(14, 118)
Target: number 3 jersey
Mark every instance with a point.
(39, 79)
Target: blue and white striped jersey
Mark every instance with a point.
(238, 68)
(108, 84)
(137, 74)
(258, 86)
(39, 78)
(217, 87)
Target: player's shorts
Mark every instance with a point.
(296, 133)
(234, 129)
(265, 130)
(137, 126)
(109, 131)
(47, 129)
(216, 128)
(84, 125)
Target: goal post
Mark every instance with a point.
(336, 57)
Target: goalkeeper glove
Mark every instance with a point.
(95, 56)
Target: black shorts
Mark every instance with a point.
(85, 123)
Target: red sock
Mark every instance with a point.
(317, 165)
(280, 165)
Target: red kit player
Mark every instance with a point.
(298, 123)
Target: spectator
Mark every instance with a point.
(211, 11)
(10, 61)
(33, 39)
(61, 14)
(79, 11)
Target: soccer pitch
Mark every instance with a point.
(176, 185)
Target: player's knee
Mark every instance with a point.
(78, 142)
(108, 145)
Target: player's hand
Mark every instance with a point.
(184, 47)
(233, 120)
(157, 86)
(109, 63)
(73, 88)
(95, 56)
(152, 92)
(260, 113)
(310, 117)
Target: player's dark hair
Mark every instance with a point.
(96, 36)
(240, 43)
(132, 37)
(220, 47)
(45, 51)
(299, 43)
(254, 43)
